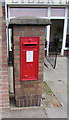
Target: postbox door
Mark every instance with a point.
(29, 61)
(29, 71)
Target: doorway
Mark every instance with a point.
(57, 31)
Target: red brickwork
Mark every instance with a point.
(4, 94)
(66, 52)
(0, 62)
(5, 87)
(28, 93)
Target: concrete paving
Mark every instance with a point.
(68, 88)
(57, 81)
(0, 114)
(25, 113)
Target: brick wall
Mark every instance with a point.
(0, 56)
(66, 52)
(4, 94)
(28, 93)
(5, 87)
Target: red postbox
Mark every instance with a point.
(29, 56)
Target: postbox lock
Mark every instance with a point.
(25, 76)
(29, 40)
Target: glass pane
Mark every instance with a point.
(58, 12)
(36, 12)
(68, 12)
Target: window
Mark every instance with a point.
(68, 12)
(36, 12)
(58, 12)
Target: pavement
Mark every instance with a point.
(57, 81)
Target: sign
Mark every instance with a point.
(29, 56)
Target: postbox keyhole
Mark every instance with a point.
(29, 40)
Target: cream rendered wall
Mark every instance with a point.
(41, 1)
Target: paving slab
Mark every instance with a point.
(56, 112)
(27, 113)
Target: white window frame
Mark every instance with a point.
(64, 31)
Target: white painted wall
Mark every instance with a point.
(40, 1)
